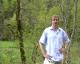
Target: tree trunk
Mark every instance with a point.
(20, 33)
(74, 27)
(1, 20)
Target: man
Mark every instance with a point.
(53, 42)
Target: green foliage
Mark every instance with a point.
(7, 4)
(10, 28)
(9, 52)
(9, 7)
(35, 16)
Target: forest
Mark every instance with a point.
(22, 23)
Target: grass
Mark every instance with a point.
(75, 54)
(6, 44)
(10, 54)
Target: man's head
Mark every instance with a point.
(55, 21)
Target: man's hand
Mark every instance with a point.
(47, 56)
(62, 50)
(44, 52)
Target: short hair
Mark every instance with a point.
(55, 16)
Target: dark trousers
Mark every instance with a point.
(57, 62)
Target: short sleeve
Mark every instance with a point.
(65, 37)
(43, 38)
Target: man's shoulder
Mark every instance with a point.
(61, 29)
(46, 29)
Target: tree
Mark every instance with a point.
(1, 20)
(20, 33)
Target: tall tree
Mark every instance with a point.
(1, 20)
(73, 29)
(20, 33)
(75, 17)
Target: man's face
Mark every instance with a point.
(55, 21)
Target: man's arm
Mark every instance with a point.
(66, 42)
(43, 50)
(64, 48)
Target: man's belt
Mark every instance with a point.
(51, 61)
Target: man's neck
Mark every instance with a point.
(54, 28)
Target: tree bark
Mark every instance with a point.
(20, 33)
(1, 20)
